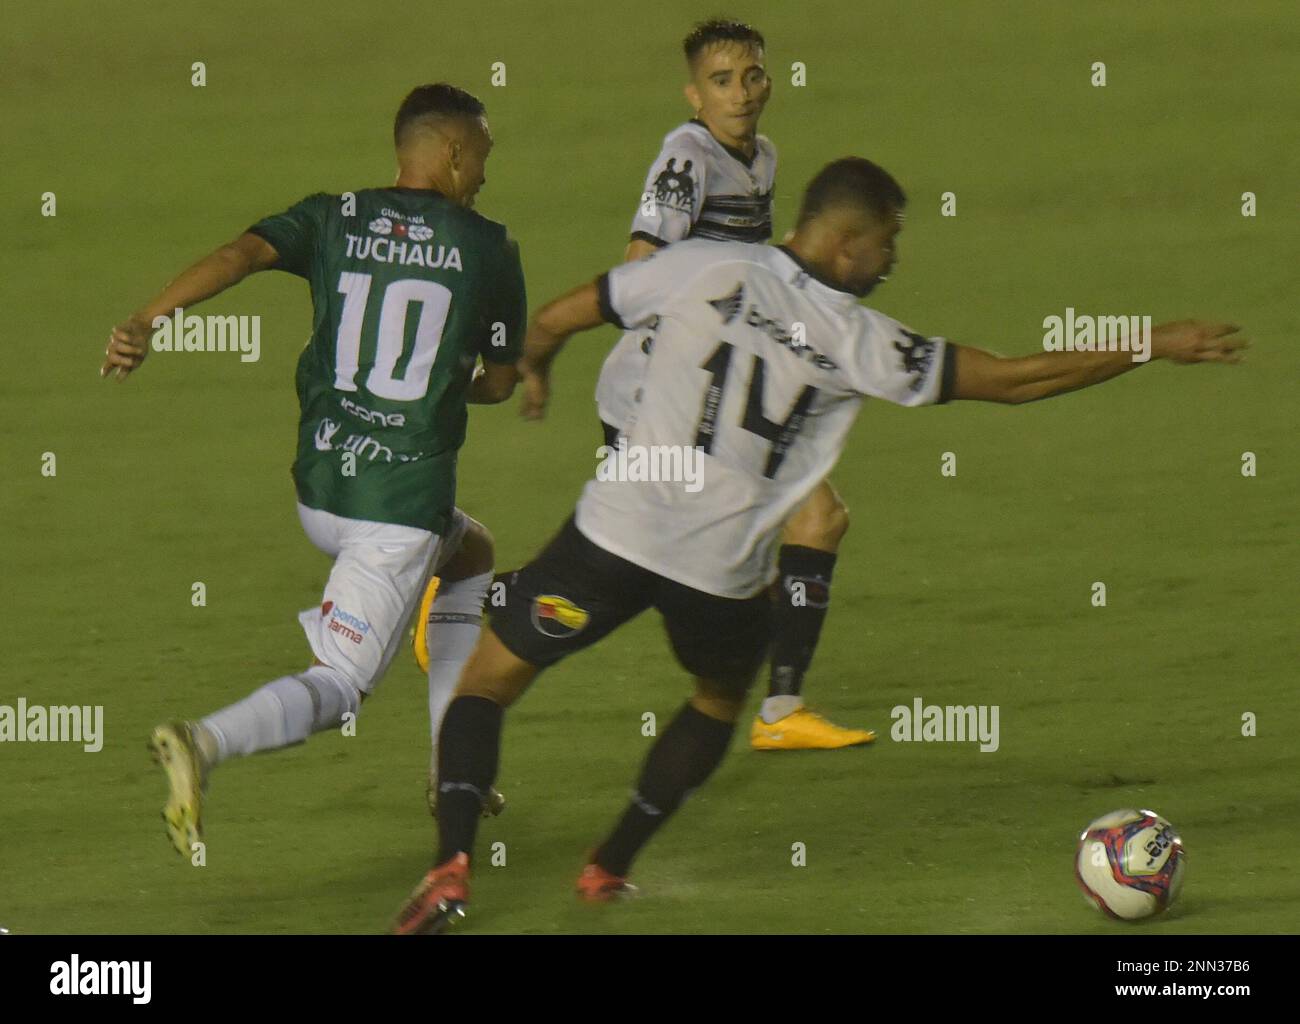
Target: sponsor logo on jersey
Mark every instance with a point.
(392, 225)
(558, 617)
(361, 445)
(390, 419)
(729, 306)
(918, 354)
(674, 187)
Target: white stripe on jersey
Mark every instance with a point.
(763, 366)
(696, 188)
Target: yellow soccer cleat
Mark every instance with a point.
(173, 747)
(805, 730)
(420, 631)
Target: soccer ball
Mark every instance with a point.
(1130, 864)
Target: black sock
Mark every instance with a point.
(799, 610)
(680, 761)
(469, 747)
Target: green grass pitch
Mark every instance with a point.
(966, 590)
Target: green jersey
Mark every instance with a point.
(408, 291)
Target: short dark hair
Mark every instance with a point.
(720, 30)
(438, 100)
(852, 181)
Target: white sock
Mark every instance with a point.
(281, 713)
(776, 708)
(455, 619)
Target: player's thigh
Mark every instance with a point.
(495, 672)
(373, 589)
(820, 521)
(721, 641)
(571, 595)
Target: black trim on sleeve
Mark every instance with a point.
(645, 236)
(949, 372)
(260, 232)
(606, 310)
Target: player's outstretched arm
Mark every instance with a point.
(983, 376)
(549, 329)
(129, 342)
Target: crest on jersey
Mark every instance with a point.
(325, 432)
(558, 617)
(674, 187)
(729, 306)
(918, 354)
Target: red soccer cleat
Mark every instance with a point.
(438, 902)
(596, 885)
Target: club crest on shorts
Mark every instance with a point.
(558, 617)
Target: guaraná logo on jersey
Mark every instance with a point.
(558, 617)
(388, 226)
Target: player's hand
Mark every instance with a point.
(128, 344)
(536, 393)
(1196, 341)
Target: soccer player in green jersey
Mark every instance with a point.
(411, 290)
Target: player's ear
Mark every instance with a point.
(693, 97)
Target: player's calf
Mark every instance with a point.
(680, 761)
(801, 599)
(455, 626)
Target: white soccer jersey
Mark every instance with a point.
(696, 188)
(764, 367)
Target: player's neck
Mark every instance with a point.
(745, 147)
(409, 178)
(814, 257)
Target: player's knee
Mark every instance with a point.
(495, 673)
(835, 523)
(475, 555)
(821, 522)
(721, 699)
(501, 690)
(335, 693)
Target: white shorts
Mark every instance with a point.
(375, 586)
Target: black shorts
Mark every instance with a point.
(575, 593)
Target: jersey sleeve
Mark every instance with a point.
(505, 309)
(895, 363)
(295, 233)
(673, 193)
(633, 294)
